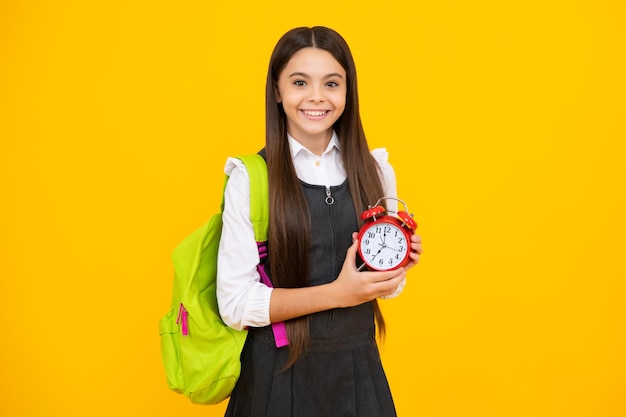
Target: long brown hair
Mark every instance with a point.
(289, 228)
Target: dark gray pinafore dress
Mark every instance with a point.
(341, 375)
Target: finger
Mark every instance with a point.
(393, 288)
(379, 277)
(415, 258)
(390, 286)
(416, 243)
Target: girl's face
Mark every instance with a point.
(312, 88)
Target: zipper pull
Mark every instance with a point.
(183, 320)
(329, 198)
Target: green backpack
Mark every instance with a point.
(200, 353)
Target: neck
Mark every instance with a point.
(315, 144)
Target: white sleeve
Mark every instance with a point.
(388, 179)
(242, 299)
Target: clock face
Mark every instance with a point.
(383, 245)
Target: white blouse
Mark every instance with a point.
(243, 300)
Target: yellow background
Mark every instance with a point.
(505, 122)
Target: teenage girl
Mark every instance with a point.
(322, 175)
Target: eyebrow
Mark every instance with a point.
(302, 74)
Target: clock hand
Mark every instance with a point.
(379, 250)
(363, 264)
(382, 246)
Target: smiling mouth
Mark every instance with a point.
(315, 113)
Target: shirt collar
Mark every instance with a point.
(296, 147)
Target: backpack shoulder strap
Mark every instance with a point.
(259, 194)
(259, 214)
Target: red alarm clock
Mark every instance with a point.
(384, 239)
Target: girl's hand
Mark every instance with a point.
(353, 287)
(416, 251)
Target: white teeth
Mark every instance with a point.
(314, 113)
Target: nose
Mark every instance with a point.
(316, 95)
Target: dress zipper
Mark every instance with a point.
(329, 198)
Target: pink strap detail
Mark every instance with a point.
(279, 329)
(183, 320)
